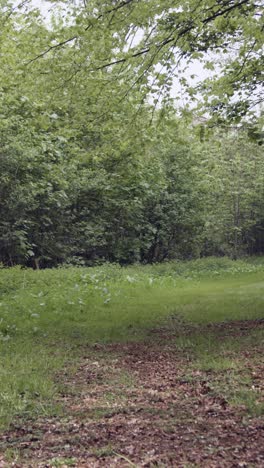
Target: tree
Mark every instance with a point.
(90, 170)
(234, 171)
(149, 43)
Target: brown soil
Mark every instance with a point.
(146, 405)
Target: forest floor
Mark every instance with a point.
(159, 402)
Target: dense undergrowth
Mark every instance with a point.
(48, 317)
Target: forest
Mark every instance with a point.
(99, 166)
(131, 233)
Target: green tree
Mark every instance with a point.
(148, 43)
(90, 170)
(235, 174)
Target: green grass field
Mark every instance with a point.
(48, 317)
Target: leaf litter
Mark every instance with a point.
(145, 404)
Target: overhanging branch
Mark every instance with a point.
(221, 12)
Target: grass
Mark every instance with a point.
(48, 317)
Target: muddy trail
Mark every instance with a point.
(149, 404)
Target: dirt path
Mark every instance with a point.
(145, 405)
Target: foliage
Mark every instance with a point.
(151, 43)
(90, 172)
(236, 198)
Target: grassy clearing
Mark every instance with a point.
(47, 317)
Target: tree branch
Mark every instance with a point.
(173, 39)
(56, 46)
(148, 48)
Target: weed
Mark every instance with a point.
(47, 318)
(105, 451)
(54, 462)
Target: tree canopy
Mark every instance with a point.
(92, 167)
(150, 44)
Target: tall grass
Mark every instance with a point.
(47, 316)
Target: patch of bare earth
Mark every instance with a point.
(145, 405)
